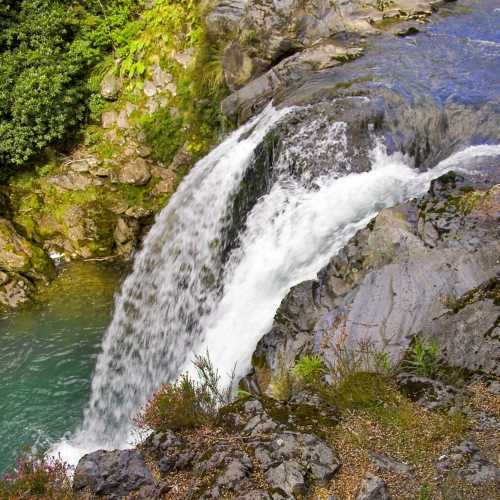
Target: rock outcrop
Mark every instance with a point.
(23, 264)
(268, 45)
(427, 268)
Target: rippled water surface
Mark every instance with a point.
(47, 354)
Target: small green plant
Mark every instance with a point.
(422, 358)
(310, 369)
(186, 403)
(284, 384)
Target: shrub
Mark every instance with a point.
(422, 358)
(164, 133)
(310, 369)
(47, 48)
(37, 477)
(186, 403)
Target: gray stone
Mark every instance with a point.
(288, 478)
(149, 89)
(387, 285)
(161, 78)
(430, 393)
(110, 86)
(385, 462)
(253, 406)
(114, 474)
(109, 118)
(466, 462)
(122, 120)
(254, 495)
(136, 172)
(373, 488)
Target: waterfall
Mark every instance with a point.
(185, 296)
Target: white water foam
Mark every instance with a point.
(182, 298)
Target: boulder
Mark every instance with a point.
(110, 86)
(135, 172)
(109, 118)
(18, 255)
(15, 289)
(373, 488)
(113, 474)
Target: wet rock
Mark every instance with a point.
(373, 488)
(114, 474)
(126, 234)
(110, 86)
(15, 289)
(18, 255)
(135, 172)
(389, 284)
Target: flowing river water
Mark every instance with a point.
(261, 213)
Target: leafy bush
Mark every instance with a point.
(422, 358)
(37, 477)
(47, 48)
(186, 403)
(310, 369)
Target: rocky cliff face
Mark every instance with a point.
(428, 268)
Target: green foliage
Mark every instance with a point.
(47, 49)
(422, 358)
(358, 390)
(284, 384)
(187, 403)
(310, 369)
(164, 133)
(37, 477)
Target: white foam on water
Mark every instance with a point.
(183, 299)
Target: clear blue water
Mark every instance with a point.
(47, 354)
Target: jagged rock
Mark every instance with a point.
(254, 495)
(136, 172)
(73, 181)
(385, 462)
(126, 234)
(389, 284)
(430, 393)
(467, 463)
(15, 289)
(287, 478)
(18, 255)
(161, 78)
(114, 474)
(110, 86)
(373, 488)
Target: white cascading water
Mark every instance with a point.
(182, 298)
